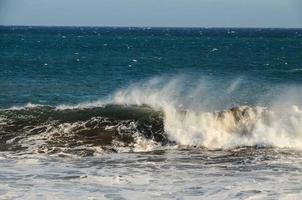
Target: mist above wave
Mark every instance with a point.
(191, 118)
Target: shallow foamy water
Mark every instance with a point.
(245, 173)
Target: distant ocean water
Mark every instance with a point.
(155, 113)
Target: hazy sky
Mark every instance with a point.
(172, 13)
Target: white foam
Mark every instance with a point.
(142, 144)
(28, 105)
(225, 130)
(91, 104)
(280, 127)
(214, 49)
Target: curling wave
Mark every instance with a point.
(85, 131)
(115, 128)
(144, 119)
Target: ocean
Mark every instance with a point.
(153, 113)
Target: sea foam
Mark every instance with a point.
(279, 125)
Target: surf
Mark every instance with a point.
(146, 117)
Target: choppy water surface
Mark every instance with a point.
(127, 113)
(164, 174)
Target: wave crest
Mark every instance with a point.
(240, 126)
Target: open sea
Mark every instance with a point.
(150, 113)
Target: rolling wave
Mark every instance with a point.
(45, 129)
(145, 119)
(118, 128)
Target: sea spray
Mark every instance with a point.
(238, 126)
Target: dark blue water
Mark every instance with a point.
(49, 65)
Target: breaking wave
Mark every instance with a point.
(144, 118)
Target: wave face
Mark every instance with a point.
(42, 129)
(145, 118)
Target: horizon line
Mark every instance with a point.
(148, 27)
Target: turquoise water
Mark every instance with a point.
(154, 113)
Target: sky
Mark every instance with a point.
(153, 13)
